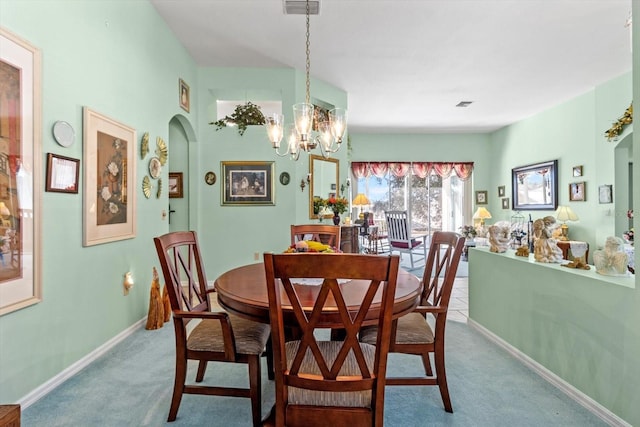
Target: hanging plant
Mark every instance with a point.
(243, 116)
(618, 127)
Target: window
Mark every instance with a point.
(434, 202)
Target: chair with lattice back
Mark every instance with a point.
(324, 382)
(413, 333)
(327, 234)
(219, 336)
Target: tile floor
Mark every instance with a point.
(459, 303)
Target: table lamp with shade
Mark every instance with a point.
(361, 200)
(482, 213)
(564, 214)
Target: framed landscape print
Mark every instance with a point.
(247, 183)
(109, 211)
(535, 186)
(20, 173)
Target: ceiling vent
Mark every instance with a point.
(464, 103)
(297, 7)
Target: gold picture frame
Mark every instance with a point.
(20, 165)
(109, 211)
(184, 96)
(577, 192)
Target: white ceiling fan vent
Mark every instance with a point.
(297, 7)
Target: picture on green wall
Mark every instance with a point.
(535, 186)
(20, 173)
(247, 183)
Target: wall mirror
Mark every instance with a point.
(623, 184)
(324, 180)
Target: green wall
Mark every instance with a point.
(105, 55)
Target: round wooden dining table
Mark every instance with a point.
(243, 291)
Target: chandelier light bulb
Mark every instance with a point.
(275, 128)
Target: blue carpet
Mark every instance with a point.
(131, 386)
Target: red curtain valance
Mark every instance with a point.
(421, 169)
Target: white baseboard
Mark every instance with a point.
(591, 405)
(54, 382)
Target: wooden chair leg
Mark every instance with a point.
(270, 367)
(202, 367)
(255, 389)
(178, 387)
(442, 380)
(426, 362)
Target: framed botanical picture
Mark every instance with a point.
(482, 197)
(505, 203)
(20, 173)
(184, 95)
(577, 192)
(62, 174)
(109, 178)
(577, 171)
(175, 185)
(501, 191)
(247, 183)
(535, 186)
(605, 194)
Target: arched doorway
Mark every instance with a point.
(180, 134)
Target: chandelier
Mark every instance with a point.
(328, 134)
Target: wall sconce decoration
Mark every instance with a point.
(302, 184)
(127, 282)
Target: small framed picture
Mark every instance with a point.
(505, 203)
(184, 95)
(605, 194)
(577, 192)
(501, 191)
(175, 185)
(577, 171)
(62, 174)
(481, 197)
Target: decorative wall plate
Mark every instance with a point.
(161, 151)
(155, 167)
(159, 192)
(144, 145)
(210, 178)
(63, 133)
(285, 178)
(146, 186)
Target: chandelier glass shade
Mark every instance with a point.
(302, 136)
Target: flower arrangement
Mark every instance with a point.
(243, 116)
(318, 204)
(337, 204)
(468, 231)
(630, 214)
(618, 127)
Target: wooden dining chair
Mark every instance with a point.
(327, 234)
(323, 382)
(412, 333)
(400, 238)
(217, 337)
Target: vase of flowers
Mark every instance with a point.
(338, 205)
(469, 233)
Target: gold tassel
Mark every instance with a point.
(155, 318)
(166, 304)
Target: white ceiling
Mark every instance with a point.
(405, 64)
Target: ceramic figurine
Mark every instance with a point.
(545, 247)
(612, 261)
(499, 238)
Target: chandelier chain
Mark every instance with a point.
(308, 54)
